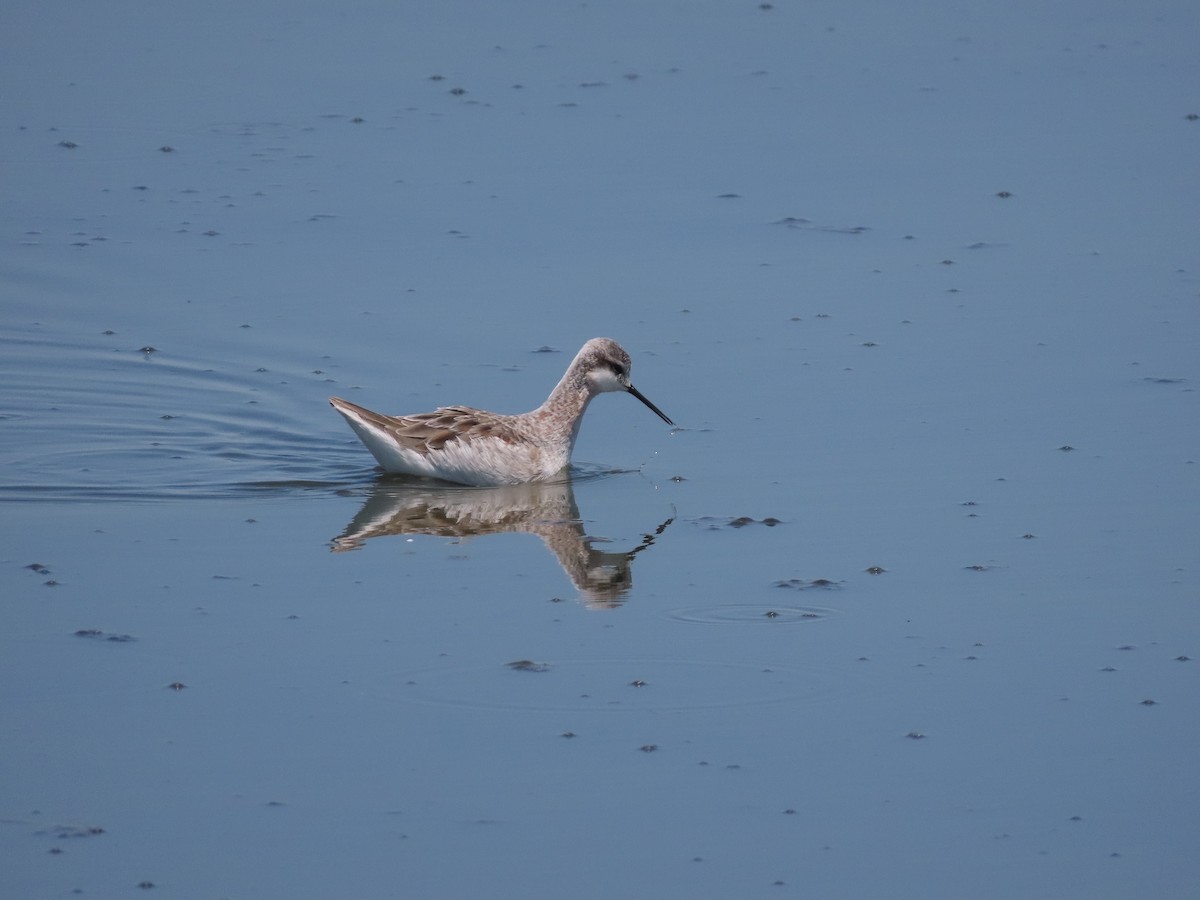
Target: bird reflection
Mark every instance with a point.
(410, 506)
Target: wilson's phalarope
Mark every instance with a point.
(472, 446)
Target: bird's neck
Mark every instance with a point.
(563, 410)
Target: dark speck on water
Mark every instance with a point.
(63, 832)
(527, 665)
(799, 584)
(743, 521)
(97, 634)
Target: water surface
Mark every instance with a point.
(906, 607)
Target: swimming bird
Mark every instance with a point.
(473, 446)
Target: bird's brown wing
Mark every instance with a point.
(424, 432)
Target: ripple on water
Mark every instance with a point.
(747, 614)
(91, 419)
(611, 685)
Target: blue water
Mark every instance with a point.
(905, 607)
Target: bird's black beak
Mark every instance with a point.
(658, 412)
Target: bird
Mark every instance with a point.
(470, 446)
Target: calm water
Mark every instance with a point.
(906, 607)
